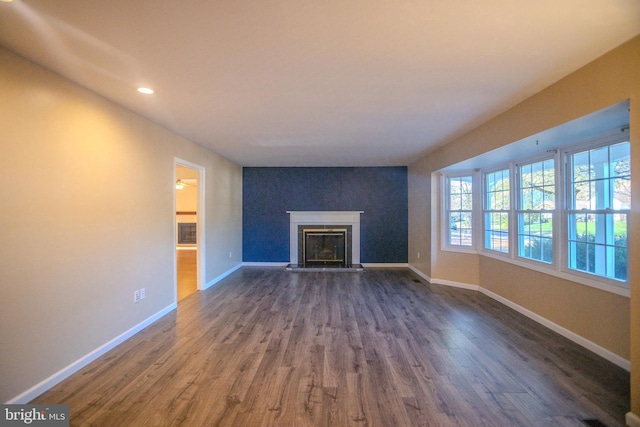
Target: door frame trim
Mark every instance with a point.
(200, 225)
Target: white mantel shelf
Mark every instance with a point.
(351, 218)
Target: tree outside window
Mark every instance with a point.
(536, 207)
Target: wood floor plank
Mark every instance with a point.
(268, 347)
(186, 272)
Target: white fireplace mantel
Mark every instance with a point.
(351, 218)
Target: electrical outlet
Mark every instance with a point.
(230, 254)
(136, 296)
(418, 255)
(143, 293)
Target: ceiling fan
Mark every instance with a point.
(185, 182)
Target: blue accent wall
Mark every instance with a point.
(381, 192)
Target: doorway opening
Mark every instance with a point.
(189, 228)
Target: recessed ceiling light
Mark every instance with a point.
(145, 90)
(6, 1)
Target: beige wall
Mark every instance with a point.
(549, 296)
(74, 244)
(608, 320)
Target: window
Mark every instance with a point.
(536, 207)
(561, 209)
(459, 210)
(598, 202)
(496, 213)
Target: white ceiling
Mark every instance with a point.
(317, 83)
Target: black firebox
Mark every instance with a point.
(325, 247)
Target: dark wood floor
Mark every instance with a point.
(379, 348)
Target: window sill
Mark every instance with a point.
(460, 249)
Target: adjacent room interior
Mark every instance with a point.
(186, 230)
(336, 214)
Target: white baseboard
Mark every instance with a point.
(220, 277)
(632, 420)
(420, 273)
(368, 265)
(46, 384)
(578, 339)
(385, 265)
(443, 281)
(455, 284)
(265, 264)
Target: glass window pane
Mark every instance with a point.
(619, 156)
(620, 227)
(535, 240)
(582, 195)
(455, 202)
(497, 198)
(526, 200)
(549, 197)
(620, 263)
(460, 198)
(600, 162)
(454, 236)
(621, 190)
(537, 198)
(598, 241)
(581, 168)
(582, 256)
(504, 222)
(535, 228)
(595, 223)
(465, 229)
(525, 173)
(549, 172)
(547, 250)
(506, 200)
(466, 202)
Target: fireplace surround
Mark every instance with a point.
(324, 239)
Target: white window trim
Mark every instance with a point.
(556, 212)
(610, 139)
(444, 204)
(481, 243)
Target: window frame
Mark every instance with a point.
(509, 212)
(567, 209)
(446, 244)
(555, 222)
